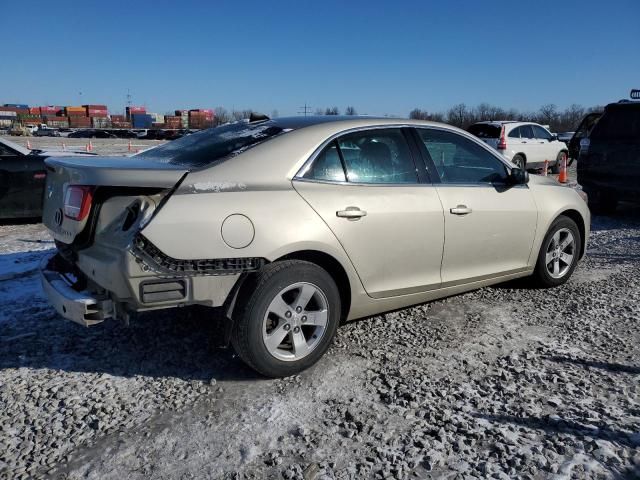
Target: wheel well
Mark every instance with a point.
(523, 156)
(333, 267)
(576, 217)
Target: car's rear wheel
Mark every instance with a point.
(559, 253)
(287, 316)
(519, 161)
(555, 168)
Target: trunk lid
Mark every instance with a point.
(126, 173)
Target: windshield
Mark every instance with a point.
(209, 146)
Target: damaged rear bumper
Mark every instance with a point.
(78, 305)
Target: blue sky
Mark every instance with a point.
(380, 57)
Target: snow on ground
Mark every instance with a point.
(503, 382)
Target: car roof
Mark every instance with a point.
(19, 148)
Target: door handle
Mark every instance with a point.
(461, 210)
(352, 213)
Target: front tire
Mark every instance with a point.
(287, 316)
(558, 254)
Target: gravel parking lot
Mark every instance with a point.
(108, 146)
(503, 382)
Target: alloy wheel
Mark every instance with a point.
(560, 253)
(295, 321)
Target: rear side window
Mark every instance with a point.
(327, 166)
(618, 123)
(379, 156)
(484, 130)
(210, 146)
(515, 133)
(526, 131)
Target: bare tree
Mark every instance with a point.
(222, 116)
(332, 111)
(458, 115)
(319, 111)
(350, 111)
(548, 113)
(417, 114)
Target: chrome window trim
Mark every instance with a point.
(305, 166)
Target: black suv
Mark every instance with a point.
(609, 163)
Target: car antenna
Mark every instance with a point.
(258, 117)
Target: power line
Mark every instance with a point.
(305, 110)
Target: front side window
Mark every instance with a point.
(541, 133)
(460, 160)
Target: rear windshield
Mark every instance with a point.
(484, 130)
(618, 123)
(209, 146)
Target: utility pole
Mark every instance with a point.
(128, 98)
(305, 109)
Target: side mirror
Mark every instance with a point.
(519, 176)
(553, 138)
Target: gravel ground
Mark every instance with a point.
(504, 382)
(101, 146)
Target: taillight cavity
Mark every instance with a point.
(77, 202)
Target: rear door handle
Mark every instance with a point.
(352, 213)
(461, 210)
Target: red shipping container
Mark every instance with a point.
(49, 110)
(19, 111)
(75, 121)
(97, 112)
(95, 107)
(34, 110)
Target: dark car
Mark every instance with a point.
(91, 134)
(609, 162)
(22, 178)
(585, 127)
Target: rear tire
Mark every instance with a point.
(519, 161)
(555, 169)
(289, 341)
(554, 267)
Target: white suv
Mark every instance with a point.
(527, 145)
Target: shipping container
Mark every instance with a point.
(118, 118)
(23, 111)
(95, 107)
(96, 113)
(58, 123)
(134, 110)
(120, 124)
(76, 121)
(100, 122)
(50, 110)
(34, 110)
(8, 113)
(141, 120)
(5, 122)
(22, 106)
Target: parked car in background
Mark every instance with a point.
(609, 162)
(565, 137)
(44, 131)
(22, 178)
(585, 127)
(294, 224)
(526, 145)
(91, 133)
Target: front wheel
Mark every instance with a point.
(288, 314)
(559, 253)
